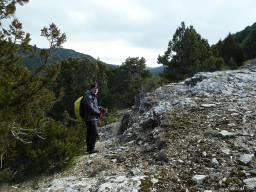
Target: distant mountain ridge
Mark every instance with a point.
(241, 35)
(156, 70)
(64, 53)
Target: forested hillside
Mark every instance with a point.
(61, 54)
(241, 35)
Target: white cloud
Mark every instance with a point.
(117, 29)
(114, 52)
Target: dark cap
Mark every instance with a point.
(94, 85)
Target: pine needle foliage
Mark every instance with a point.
(76, 76)
(185, 54)
(30, 141)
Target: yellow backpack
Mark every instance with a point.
(80, 108)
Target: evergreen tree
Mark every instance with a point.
(25, 100)
(229, 48)
(185, 54)
(232, 64)
(215, 51)
(249, 45)
(212, 64)
(125, 81)
(8, 8)
(209, 64)
(241, 35)
(220, 64)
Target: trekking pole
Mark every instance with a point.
(105, 119)
(1, 160)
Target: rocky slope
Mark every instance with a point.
(197, 135)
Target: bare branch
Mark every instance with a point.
(17, 137)
(18, 131)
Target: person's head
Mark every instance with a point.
(94, 88)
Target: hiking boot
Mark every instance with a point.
(93, 151)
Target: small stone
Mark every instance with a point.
(226, 151)
(204, 154)
(154, 181)
(89, 162)
(234, 114)
(93, 155)
(250, 182)
(152, 171)
(214, 160)
(175, 102)
(199, 178)
(135, 171)
(246, 158)
(225, 133)
(113, 160)
(180, 161)
(208, 105)
(36, 187)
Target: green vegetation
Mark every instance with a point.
(231, 52)
(240, 36)
(128, 83)
(30, 141)
(189, 53)
(38, 87)
(57, 55)
(249, 45)
(146, 184)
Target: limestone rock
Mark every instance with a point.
(136, 171)
(246, 158)
(199, 178)
(208, 105)
(250, 182)
(125, 120)
(225, 133)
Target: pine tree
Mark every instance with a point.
(249, 45)
(25, 100)
(232, 64)
(185, 53)
(210, 64)
(229, 48)
(125, 81)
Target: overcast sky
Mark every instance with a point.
(114, 30)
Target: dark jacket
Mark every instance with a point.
(93, 111)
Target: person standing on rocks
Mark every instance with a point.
(92, 114)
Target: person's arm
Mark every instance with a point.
(90, 106)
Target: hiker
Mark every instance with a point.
(92, 115)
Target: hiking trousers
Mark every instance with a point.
(92, 134)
